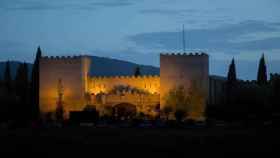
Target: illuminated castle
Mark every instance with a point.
(146, 93)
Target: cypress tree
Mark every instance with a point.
(231, 77)
(231, 84)
(262, 80)
(35, 86)
(262, 74)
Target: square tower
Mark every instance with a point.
(184, 70)
(72, 75)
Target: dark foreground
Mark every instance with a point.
(133, 142)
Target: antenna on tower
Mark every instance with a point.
(184, 41)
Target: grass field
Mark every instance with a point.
(134, 142)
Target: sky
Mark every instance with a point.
(139, 30)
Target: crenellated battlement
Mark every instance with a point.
(63, 60)
(248, 82)
(64, 57)
(125, 77)
(105, 84)
(191, 54)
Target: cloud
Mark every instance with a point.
(218, 39)
(112, 4)
(167, 11)
(31, 5)
(28, 5)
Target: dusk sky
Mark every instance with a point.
(138, 30)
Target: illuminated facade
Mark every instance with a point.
(146, 93)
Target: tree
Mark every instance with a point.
(262, 81)
(35, 86)
(262, 73)
(8, 78)
(107, 111)
(196, 102)
(189, 103)
(22, 94)
(167, 110)
(231, 84)
(8, 108)
(137, 71)
(90, 108)
(180, 114)
(21, 82)
(231, 77)
(178, 99)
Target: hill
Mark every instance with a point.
(100, 67)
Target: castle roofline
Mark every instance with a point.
(184, 54)
(123, 76)
(66, 57)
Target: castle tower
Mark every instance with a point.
(183, 70)
(72, 72)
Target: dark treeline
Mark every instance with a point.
(20, 95)
(248, 100)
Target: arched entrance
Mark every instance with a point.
(124, 111)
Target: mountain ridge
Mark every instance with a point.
(100, 66)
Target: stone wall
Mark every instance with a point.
(183, 70)
(73, 72)
(141, 91)
(150, 84)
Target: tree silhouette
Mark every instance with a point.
(35, 86)
(21, 80)
(21, 90)
(8, 78)
(262, 73)
(8, 100)
(231, 77)
(178, 99)
(180, 114)
(167, 110)
(231, 84)
(137, 71)
(196, 102)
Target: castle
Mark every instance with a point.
(69, 77)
